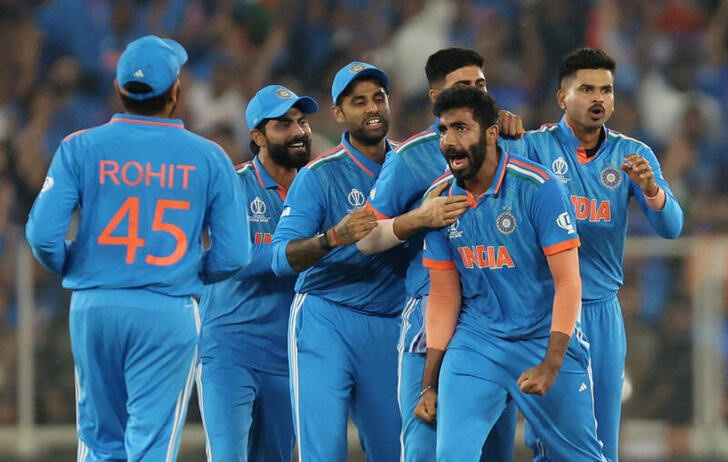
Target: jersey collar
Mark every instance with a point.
(146, 120)
(495, 186)
(567, 135)
(265, 180)
(369, 166)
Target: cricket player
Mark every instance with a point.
(601, 170)
(504, 296)
(398, 193)
(345, 315)
(146, 188)
(243, 375)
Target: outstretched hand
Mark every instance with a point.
(437, 211)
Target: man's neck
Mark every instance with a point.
(376, 152)
(589, 137)
(282, 175)
(483, 180)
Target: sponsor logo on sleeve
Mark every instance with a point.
(47, 184)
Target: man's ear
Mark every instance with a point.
(258, 137)
(338, 114)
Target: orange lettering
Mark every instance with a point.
(111, 172)
(125, 177)
(150, 174)
(186, 169)
(504, 258)
(466, 253)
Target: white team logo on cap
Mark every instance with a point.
(138, 73)
(356, 198)
(47, 184)
(358, 67)
(258, 208)
(282, 93)
(564, 222)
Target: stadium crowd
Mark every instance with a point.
(59, 59)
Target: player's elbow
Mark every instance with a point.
(279, 263)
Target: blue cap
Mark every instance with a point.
(274, 101)
(151, 60)
(355, 70)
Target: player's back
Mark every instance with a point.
(145, 185)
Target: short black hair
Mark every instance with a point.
(149, 106)
(484, 107)
(349, 88)
(585, 58)
(443, 62)
(254, 148)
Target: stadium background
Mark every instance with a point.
(56, 73)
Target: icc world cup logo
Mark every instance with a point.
(356, 198)
(258, 209)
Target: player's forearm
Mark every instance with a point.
(304, 253)
(443, 308)
(380, 239)
(260, 263)
(431, 373)
(667, 221)
(556, 350)
(407, 224)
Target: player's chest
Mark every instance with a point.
(263, 211)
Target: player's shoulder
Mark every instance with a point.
(245, 170)
(328, 159)
(527, 171)
(420, 140)
(626, 142)
(446, 177)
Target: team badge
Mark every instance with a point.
(506, 223)
(358, 67)
(258, 209)
(283, 93)
(611, 177)
(47, 184)
(356, 198)
(453, 231)
(564, 222)
(560, 167)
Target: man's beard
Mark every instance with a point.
(476, 156)
(368, 137)
(280, 154)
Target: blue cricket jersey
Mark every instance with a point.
(248, 313)
(499, 247)
(321, 195)
(600, 192)
(146, 188)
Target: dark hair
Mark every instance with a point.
(443, 62)
(350, 87)
(585, 58)
(485, 109)
(149, 106)
(254, 148)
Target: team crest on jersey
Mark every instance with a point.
(258, 209)
(47, 184)
(506, 223)
(282, 93)
(564, 222)
(611, 177)
(560, 167)
(356, 198)
(453, 231)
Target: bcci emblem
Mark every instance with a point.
(506, 223)
(258, 208)
(282, 93)
(453, 231)
(356, 198)
(560, 167)
(611, 177)
(358, 67)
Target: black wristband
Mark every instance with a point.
(323, 241)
